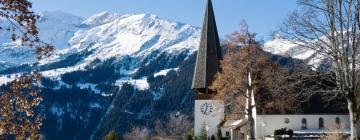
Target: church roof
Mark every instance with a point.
(233, 124)
(209, 52)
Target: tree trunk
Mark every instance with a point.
(250, 114)
(355, 120)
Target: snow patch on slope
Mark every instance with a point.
(164, 72)
(140, 84)
(58, 72)
(95, 105)
(89, 86)
(56, 110)
(5, 80)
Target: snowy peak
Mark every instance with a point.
(57, 28)
(288, 48)
(101, 18)
(59, 17)
(282, 47)
(112, 35)
(106, 17)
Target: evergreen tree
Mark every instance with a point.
(203, 133)
(112, 135)
(190, 134)
(218, 134)
(189, 137)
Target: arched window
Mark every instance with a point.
(303, 123)
(337, 121)
(321, 123)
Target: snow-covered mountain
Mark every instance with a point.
(138, 35)
(286, 48)
(100, 58)
(101, 37)
(107, 35)
(56, 28)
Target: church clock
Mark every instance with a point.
(206, 108)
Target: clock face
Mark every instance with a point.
(206, 108)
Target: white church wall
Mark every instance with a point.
(212, 120)
(267, 124)
(240, 133)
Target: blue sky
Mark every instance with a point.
(263, 16)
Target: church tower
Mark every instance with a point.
(208, 111)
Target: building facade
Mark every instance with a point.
(301, 124)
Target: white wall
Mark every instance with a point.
(236, 133)
(212, 120)
(267, 124)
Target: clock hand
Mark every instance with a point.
(206, 109)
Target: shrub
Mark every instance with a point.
(336, 134)
(189, 137)
(203, 134)
(283, 131)
(190, 134)
(218, 134)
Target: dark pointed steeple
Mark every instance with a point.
(209, 53)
